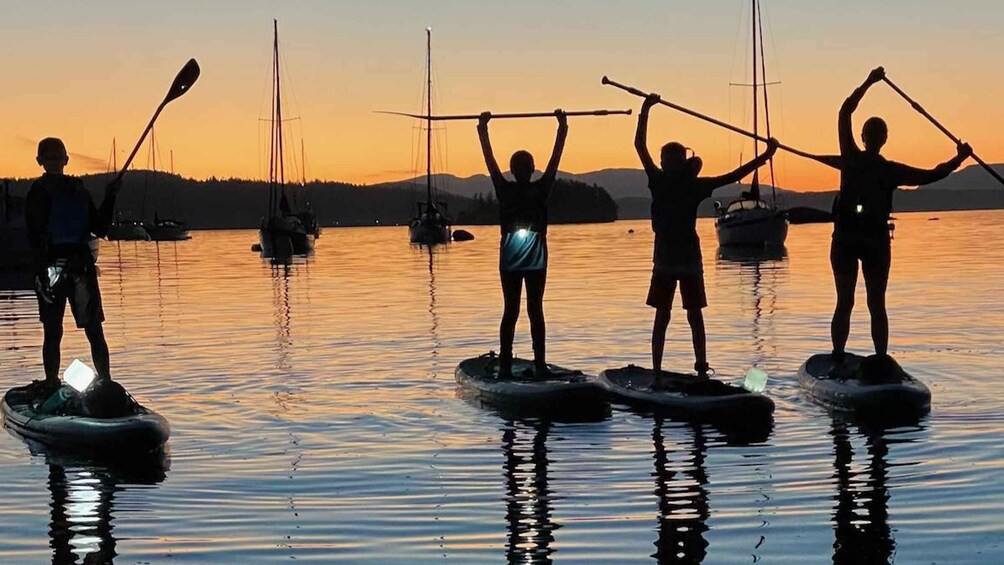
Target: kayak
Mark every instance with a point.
(563, 390)
(142, 431)
(685, 395)
(846, 391)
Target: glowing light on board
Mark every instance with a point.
(78, 375)
(522, 233)
(861, 208)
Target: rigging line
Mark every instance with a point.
(780, 90)
(766, 109)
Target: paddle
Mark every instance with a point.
(943, 129)
(698, 115)
(511, 116)
(182, 83)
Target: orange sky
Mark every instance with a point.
(90, 73)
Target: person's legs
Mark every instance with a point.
(845, 277)
(659, 326)
(875, 268)
(512, 288)
(99, 350)
(51, 340)
(535, 283)
(660, 296)
(85, 302)
(694, 301)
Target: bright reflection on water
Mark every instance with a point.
(315, 415)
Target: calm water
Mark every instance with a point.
(315, 416)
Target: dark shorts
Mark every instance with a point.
(874, 253)
(663, 287)
(81, 290)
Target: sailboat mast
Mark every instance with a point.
(766, 109)
(271, 131)
(428, 118)
(115, 156)
(280, 165)
(303, 162)
(755, 184)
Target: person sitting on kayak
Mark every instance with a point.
(861, 217)
(61, 217)
(677, 190)
(523, 253)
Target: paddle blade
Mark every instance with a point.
(184, 81)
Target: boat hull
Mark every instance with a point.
(168, 232)
(283, 238)
(128, 232)
(425, 234)
(749, 228)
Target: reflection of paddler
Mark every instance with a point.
(683, 500)
(861, 515)
(83, 504)
(523, 256)
(528, 497)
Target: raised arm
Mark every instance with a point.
(486, 147)
(641, 135)
(912, 176)
(711, 183)
(834, 161)
(551, 172)
(101, 218)
(845, 129)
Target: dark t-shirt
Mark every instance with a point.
(675, 198)
(523, 205)
(61, 217)
(867, 184)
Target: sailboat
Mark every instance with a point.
(124, 228)
(163, 229)
(430, 226)
(749, 221)
(282, 233)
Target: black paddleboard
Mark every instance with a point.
(684, 395)
(142, 431)
(562, 390)
(847, 390)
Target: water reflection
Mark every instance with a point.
(861, 514)
(437, 344)
(761, 271)
(529, 504)
(680, 479)
(82, 510)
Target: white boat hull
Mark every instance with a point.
(758, 227)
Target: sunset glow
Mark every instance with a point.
(90, 73)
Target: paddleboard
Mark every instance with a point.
(142, 431)
(844, 389)
(563, 390)
(684, 395)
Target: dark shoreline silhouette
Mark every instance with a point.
(240, 203)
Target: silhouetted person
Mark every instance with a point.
(61, 217)
(523, 254)
(677, 190)
(861, 217)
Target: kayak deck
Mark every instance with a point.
(684, 395)
(143, 431)
(844, 390)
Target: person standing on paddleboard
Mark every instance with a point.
(523, 250)
(677, 190)
(61, 218)
(861, 217)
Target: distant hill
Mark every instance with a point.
(969, 189)
(240, 204)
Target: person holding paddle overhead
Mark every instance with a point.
(523, 251)
(677, 190)
(861, 217)
(61, 217)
